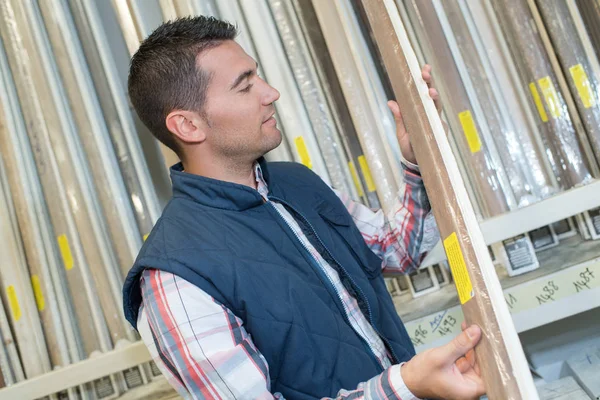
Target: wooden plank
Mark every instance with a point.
(499, 354)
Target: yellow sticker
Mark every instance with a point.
(362, 161)
(65, 251)
(37, 292)
(146, 236)
(470, 130)
(550, 95)
(303, 152)
(583, 85)
(459, 268)
(13, 302)
(355, 179)
(538, 101)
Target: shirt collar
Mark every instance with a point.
(220, 194)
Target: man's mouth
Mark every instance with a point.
(270, 119)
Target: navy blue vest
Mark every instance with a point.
(226, 240)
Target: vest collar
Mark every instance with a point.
(215, 193)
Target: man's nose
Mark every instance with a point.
(271, 95)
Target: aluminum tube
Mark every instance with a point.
(17, 294)
(372, 85)
(117, 116)
(314, 100)
(555, 124)
(292, 113)
(91, 127)
(86, 12)
(10, 364)
(335, 99)
(577, 67)
(507, 88)
(466, 125)
(52, 152)
(345, 65)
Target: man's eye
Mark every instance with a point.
(246, 89)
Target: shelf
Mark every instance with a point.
(78, 373)
(525, 219)
(567, 283)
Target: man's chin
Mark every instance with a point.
(274, 141)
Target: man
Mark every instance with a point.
(259, 281)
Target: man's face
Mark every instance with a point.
(239, 105)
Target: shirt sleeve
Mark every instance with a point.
(397, 238)
(204, 351)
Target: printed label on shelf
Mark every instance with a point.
(583, 85)
(459, 268)
(37, 292)
(470, 130)
(538, 101)
(303, 152)
(355, 179)
(13, 302)
(434, 327)
(65, 251)
(550, 96)
(553, 287)
(527, 296)
(364, 167)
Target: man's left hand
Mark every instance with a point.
(401, 133)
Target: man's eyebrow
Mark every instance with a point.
(243, 75)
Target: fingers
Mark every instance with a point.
(463, 365)
(433, 93)
(461, 344)
(426, 74)
(395, 109)
(463, 326)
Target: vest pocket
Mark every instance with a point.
(347, 230)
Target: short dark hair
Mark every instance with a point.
(163, 75)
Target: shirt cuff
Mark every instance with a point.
(410, 166)
(389, 385)
(397, 383)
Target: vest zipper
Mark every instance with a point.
(360, 292)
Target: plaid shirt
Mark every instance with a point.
(202, 347)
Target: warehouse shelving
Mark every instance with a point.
(567, 283)
(560, 267)
(526, 219)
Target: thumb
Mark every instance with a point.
(461, 344)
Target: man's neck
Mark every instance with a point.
(240, 173)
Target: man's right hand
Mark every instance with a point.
(446, 372)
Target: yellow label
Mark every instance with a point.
(459, 268)
(583, 85)
(37, 292)
(146, 236)
(355, 179)
(65, 251)
(538, 101)
(362, 161)
(470, 130)
(550, 95)
(13, 302)
(303, 152)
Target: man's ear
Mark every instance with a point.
(188, 126)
